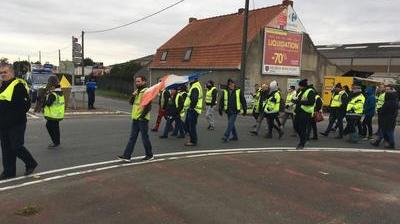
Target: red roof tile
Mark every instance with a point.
(216, 41)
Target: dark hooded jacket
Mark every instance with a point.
(370, 102)
(389, 111)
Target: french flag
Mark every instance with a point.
(168, 81)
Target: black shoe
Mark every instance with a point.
(324, 134)
(254, 133)
(124, 159)
(148, 158)
(163, 136)
(211, 128)
(4, 177)
(29, 170)
(300, 147)
(233, 139)
(224, 140)
(375, 143)
(281, 133)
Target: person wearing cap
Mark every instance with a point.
(258, 109)
(211, 101)
(337, 110)
(194, 105)
(54, 108)
(354, 112)
(305, 102)
(271, 109)
(232, 102)
(289, 105)
(14, 104)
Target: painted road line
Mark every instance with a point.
(184, 155)
(272, 149)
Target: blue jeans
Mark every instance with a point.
(141, 126)
(387, 135)
(231, 126)
(179, 127)
(191, 123)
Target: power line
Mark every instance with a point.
(138, 20)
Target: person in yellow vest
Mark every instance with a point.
(313, 124)
(211, 102)
(232, 102)
(380, 100)
(54, 108)
(140, 122)
(194, 105)
(272, 108)
(337, 110)
(256, 102)
(14, 104)
(289, 105)
(179, 130)
(305, 101)
(354, 112)
(258, 109)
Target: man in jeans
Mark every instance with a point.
(140, 122)
(232, 102)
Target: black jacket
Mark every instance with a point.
(166, 96)
(14, 113)
(389, 111)
(194, 97)
(171, 110)
(232, 107)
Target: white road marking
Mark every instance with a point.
(175, 156)
(32, 115)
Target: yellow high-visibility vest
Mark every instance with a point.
(209, 95)
(177, 99)
(136, 108)
(57, 109)
(7, 94)
(199, 105)
(337, 99)
(273, 107)
(380, 101)
(237, 96)
(256, 103)
(305, 108)
(356, 105)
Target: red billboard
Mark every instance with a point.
(282, 52)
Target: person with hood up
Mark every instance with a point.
(54, 108)
(387, 120)
(271, 109)
(369, 112)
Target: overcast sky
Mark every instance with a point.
(28, 26)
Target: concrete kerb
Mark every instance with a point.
(169, 157)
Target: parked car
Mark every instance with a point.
(37, 79)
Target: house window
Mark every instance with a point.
(188, 54)
(164, 56)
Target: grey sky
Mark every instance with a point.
(28, 26)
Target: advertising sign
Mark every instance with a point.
(282, 52)
(293, 82)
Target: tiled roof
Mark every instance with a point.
(215, 42)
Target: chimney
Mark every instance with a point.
(287, 2)
(192, 19)
(240, 11)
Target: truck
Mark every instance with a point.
(331, 81)
(37, 79)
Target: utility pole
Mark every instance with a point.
(83, 53)
(244, 45)
(40, 57)
(59, 57)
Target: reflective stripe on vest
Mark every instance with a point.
(209, 95)
(356, 105)
(273, 107)
(8, 93)
(136, 108)
(337, 99)
(57, 109)
(199, 105)
(380, 101)
(237, 96)
(307, 109)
